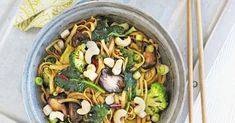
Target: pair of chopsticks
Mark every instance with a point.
(190, 60)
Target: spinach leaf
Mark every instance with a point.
(70, 80)
(89, 84)
(116, 30)
(70, 85)
(104, 31)
(71, 72)
(132, 29)
(97, 114)
(67, 83)
(130, 85)
(130, 88)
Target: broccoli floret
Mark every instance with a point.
(77, 58)
(155, 117)
(156, 100)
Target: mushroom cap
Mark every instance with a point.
(74, 116)
(111, 83)
(56, 106)
(150, 60)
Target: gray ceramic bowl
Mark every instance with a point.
(169, 52)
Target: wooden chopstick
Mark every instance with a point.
(190, 61)
(201, 59)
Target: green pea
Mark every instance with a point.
(136, 75)
(139, 37)
(155, 117)
(38, 81)
(162, 69)
(55, 93)
(137, 57)
(149, 48)
(54, 120)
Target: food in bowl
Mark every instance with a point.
(100, 70)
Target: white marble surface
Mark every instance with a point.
(14, 45)
(220, 87)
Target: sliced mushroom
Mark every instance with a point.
(150, 60)
(79, 38)
(56, 106)
(74, 116)
(111, 83)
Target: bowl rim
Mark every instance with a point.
(25, 92)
